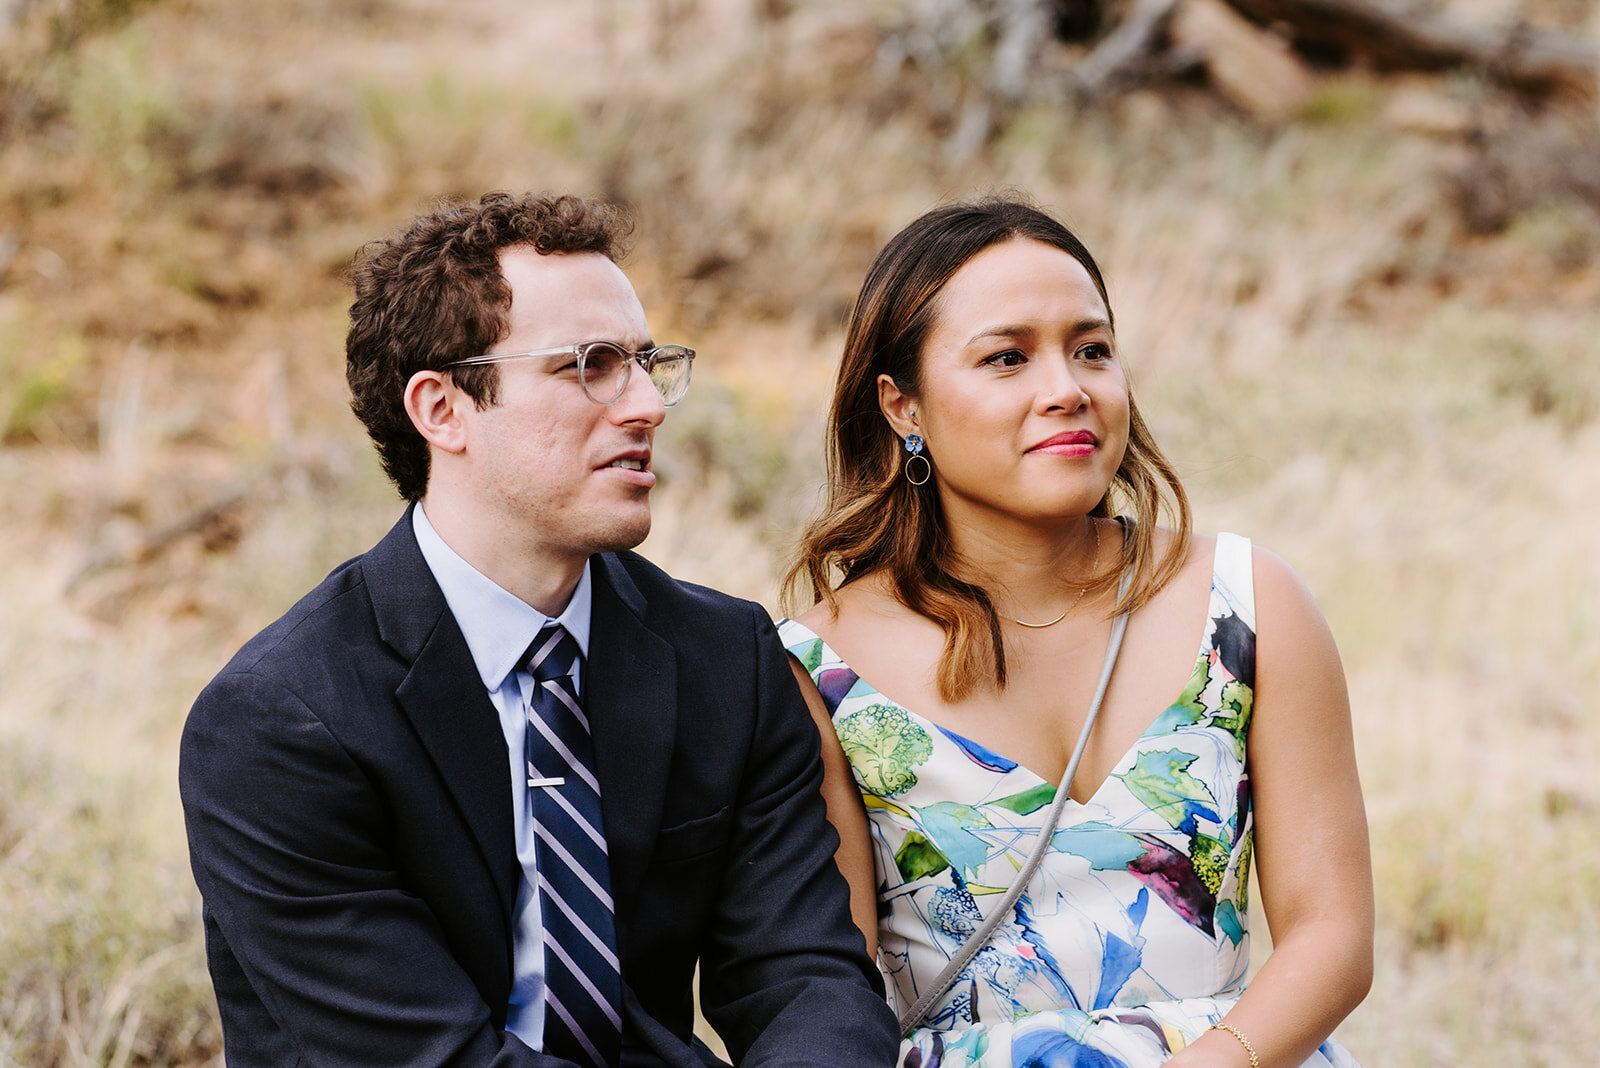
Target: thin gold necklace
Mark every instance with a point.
(1093, 559)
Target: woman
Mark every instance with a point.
(981, 442)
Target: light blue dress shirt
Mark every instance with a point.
(499, 627)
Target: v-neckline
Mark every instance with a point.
(1016, 765)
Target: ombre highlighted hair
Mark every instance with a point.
(874, 520)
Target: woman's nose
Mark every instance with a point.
(1061, 388)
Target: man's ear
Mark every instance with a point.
(897, 407)
(435, 405)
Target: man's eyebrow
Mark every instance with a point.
(625, 346)
(1003, 330)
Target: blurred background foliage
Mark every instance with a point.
(1356, 268)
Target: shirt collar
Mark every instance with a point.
(497, 625)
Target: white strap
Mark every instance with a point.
(1233, 573)
(969, 949)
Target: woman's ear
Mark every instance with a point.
(897, 407)
(434, 404)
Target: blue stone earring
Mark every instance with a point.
(914, 448)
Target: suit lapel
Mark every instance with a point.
(444, 699)
(630, 689)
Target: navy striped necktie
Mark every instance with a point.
(583, 984)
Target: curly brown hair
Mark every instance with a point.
(433, 294)
(874, 520)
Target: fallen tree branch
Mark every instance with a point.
(9, 244)
(1124, 57)
(1396, 35)
(154, 543)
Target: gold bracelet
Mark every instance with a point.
(1255, 1062)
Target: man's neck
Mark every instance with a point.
(512, 562)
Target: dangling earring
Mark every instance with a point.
(914, 447)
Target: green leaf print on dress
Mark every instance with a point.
(811, 659)
(1031, 800)
(884, 747)
(919, 857)
(1210, 858)
(1161, 780)
(1233, 713)
(1188, 709)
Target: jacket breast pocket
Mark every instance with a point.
(692, 838)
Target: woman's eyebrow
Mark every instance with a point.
(1008, 330)
(1002, 330)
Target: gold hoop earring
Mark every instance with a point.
(914, 447)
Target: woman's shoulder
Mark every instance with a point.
(868, 628)
(1287, 620)
(1254, 574)
(817, 619)
(1278, 588)
(1202, 555)
(861, 602)
(1259, 585)
(1196, 555)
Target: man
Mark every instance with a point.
(489, 793)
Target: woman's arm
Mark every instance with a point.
(847, 814)
(1313, 862)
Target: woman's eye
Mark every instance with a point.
(1096, 351)
(1008, 358)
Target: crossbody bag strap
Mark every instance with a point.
(969, 949)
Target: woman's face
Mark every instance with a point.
(1023, 405)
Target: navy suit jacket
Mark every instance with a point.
(348, 803)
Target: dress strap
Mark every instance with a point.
(1233, 578)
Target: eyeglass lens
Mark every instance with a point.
(606, 369)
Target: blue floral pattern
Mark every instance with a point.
(1132, 938)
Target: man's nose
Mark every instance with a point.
(641, 401)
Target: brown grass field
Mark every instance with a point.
(1404, 407)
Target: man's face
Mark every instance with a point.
(560, 475)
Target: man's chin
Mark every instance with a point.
(627, 535)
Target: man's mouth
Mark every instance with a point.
(631, 465)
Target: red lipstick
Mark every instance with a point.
(1072, 443)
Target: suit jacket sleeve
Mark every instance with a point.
(786, 979)
(321, 954)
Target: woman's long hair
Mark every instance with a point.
(876, 520)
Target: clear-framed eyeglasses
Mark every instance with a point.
(604, 367)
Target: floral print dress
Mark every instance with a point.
(1132, 938)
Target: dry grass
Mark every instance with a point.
(1405, 411)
